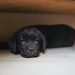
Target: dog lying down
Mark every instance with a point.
(31, 40)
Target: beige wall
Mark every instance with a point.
(10, 22)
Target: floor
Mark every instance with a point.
(58, 61)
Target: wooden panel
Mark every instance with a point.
(38, 6)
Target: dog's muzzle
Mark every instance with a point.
(31, 46)
(29, 49)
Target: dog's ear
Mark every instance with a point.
(42, 42)
(12, 45)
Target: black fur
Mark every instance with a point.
(31, 40)
(28, 42)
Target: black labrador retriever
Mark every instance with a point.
(29, 41)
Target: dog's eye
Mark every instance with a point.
(33, 38)
(25, 38)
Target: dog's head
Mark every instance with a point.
(30, 42)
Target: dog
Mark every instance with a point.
(29, 41)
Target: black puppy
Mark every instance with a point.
(28, 42)
(31, 40)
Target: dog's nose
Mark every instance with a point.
(31, 47)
